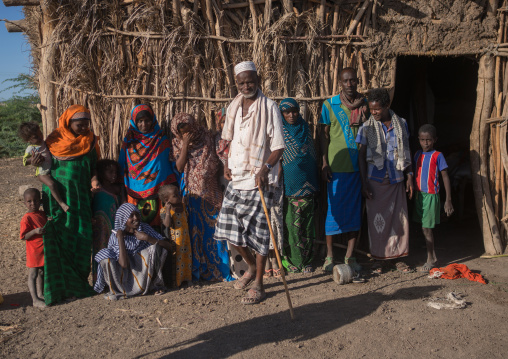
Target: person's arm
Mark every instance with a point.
(182, 159)
(35, 232)
(123, 259)
(362, 165)
(262, 175)
(167, 216)
(95, 181)
(142, 236)
(227, 172)
(409, 182)
(326, 172)
(448, 206)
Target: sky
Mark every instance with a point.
(15, 56)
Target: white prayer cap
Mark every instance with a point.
(245, 66)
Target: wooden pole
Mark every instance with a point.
(16, 25)
(274, 242)
(21, 2)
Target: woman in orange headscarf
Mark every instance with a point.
(68, 237)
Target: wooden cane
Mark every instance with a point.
(277, 253)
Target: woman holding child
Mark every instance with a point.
(68, 237)
(384, 160)
(144, 161)
(196, 157)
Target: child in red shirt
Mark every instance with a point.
(32, 229)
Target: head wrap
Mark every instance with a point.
(200, 172)
(288, 104)
(144, 158)
(245, 66)
(64, 144)
(123, 213)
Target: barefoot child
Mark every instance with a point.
(105, 204)
(31, 231)
(31, 133)
(428, 164)
(174, 222)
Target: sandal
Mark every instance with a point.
(268, 273)
(307, 270)
(377, 268)
(276, 273)
(243, 282)
(403, 268)
(351, 261)
(427, 267)
(253, 296)
(328, 265)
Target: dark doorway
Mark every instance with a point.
(442, 91)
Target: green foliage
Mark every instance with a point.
(20, 108)
(12, 113)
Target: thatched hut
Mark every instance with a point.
(444, 61)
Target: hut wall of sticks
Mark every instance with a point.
(179, 56)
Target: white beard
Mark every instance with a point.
(250, 95)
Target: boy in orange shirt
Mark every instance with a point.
(31, 231)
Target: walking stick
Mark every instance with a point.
(274, 242)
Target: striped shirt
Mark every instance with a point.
(427, 168)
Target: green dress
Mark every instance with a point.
(68, 237)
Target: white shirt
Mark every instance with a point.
(244, 179)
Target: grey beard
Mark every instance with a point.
(251, 95)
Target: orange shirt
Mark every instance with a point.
(34, 246)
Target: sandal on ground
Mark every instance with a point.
(268, 273)
(276, 273)
(243, 282)
(377, 268)
(253, 296)
(160, 291)
(403, 268)
(427, 267)
(307, 270)
(351, 261)
(358, 279)
(328, 265)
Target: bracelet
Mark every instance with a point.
(269, 166)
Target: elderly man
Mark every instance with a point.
(341, 117)
(254, 127)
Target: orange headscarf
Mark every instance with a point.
(63, 144)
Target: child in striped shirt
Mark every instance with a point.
(428, 164)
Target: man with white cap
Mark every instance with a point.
(254, 127)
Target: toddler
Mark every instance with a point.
(428, 164)
(31, 231)
(31, 133)
(174, 222)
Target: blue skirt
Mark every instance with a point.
(344, 203)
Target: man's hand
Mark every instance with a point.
(227, 173)
(409, 186)
(448, 208)
(366, 190)
(326, 173)
(262, 178)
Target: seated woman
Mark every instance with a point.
(132, 263)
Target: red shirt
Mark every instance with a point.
(34, 245)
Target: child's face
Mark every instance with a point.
(110, 174)
(32, 202)
(133, 222)
(173, 197)
(291, 115)
(144, 124)
(426, 141)
(379, 112)
(80, 127)
(36, 139)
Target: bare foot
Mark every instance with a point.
(64, 206)
(39, 303)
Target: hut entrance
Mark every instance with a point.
(442, 91)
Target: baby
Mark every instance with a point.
(31, 231)
(31, 133)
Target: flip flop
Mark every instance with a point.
(268, 273)
(276, 273)
(307, 270)
(426, 267)
(377, 268)
(328, 265)
(253, 296)
(243, 282)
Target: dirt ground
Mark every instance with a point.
(387, 317)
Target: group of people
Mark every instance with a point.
(170, 212)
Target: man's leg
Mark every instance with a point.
(431, 254)
(349, 259)
(328, 265)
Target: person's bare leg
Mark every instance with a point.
(40, 283)
(48, 181)
(350, 259)
(32, 287)
(431, 254)
(249, 276)
(328, 265)
(260, 264)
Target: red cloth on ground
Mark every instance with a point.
(34, 246)
(456, 271)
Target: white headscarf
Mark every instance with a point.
(245, 66)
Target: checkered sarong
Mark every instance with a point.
(242, 221)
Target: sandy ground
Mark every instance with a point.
(387, 317)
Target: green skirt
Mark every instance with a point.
(299, 232)
(68, 237)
